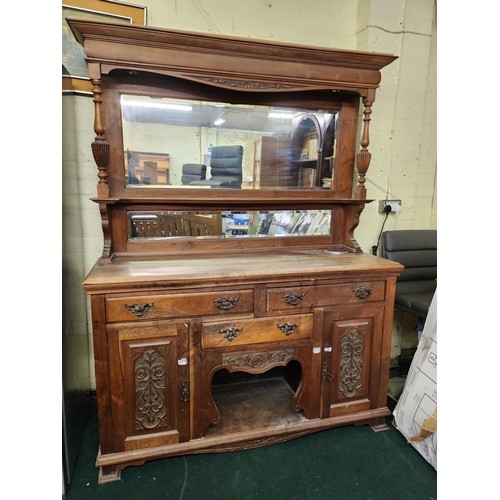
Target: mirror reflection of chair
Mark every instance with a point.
(192, 172)
(132, 164)
(226, 167)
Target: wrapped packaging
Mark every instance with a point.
(415, 415)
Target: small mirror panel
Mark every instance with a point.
(204, 145)
(171, 224)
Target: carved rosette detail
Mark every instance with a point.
(247, 84)
(149, 372)
(258, 360)
(351, 362)
(257, 443)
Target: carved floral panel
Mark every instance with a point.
(149, 379)
(351, 364)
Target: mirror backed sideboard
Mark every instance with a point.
(232, 306)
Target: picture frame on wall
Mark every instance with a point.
(75, 78)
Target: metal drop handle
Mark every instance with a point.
(288, 328)
(139, 309)
(294, 298)
(362, 292)
(225, 303)
(325, 373)
(230, 333)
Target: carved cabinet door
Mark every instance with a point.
(149, 381)
(350, 371)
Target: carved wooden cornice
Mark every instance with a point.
(254, 65)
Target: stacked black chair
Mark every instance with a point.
(416, 249)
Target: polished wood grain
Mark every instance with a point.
(281, 299)
(353, 339)
(179, 304)
(226, 61)
(180, 64)
(204, 345)
(147, 403)
(239, 440)
(256, 331)
(211, 268)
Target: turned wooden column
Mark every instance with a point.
(100, 146)
(364, 156)
(100, 150)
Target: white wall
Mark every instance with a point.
(313, 22)
(403, 126)
(81, 237)
(403, 131)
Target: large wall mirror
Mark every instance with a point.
(251, 224)
(205, 145)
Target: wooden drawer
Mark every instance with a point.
(148, 307)
(256, 331)
(309, 296)
(350, 293)
(296, 297)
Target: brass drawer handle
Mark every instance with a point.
(294, 298)
(226, 303)
(362, 292)
(230, 333)
(288, 328)
(139, 309)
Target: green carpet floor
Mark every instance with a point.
(346, 463)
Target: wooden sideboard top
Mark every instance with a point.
(205, 269)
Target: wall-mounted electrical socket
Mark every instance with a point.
(394, 204)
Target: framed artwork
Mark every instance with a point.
(75, 79)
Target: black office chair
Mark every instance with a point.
(132, 162)
(226, 167)
(416, 249)
(192, 172)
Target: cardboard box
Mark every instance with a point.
(415, 414)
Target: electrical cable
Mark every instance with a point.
(387, 210)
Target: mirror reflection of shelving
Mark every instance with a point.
(278, 223)
(146, 168)
(251, 224)
(312, 148)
